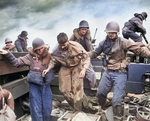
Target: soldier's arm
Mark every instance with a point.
(9, 98)
(11, 47)
(137, 48)
(140, 26)
(86, 63)
(16, 62)
(97, 51)
(4, 48)
(52, 63)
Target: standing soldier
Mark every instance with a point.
(9, 46)
(74, 62)
(115, 75)
(135, 24)
(82, 36)
(40, 92)
(21, 42)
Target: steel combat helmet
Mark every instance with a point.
(112, 27)
(141, 16)
(7, 40)
(144, 15)
(37, 43)
(24, 33)
(83, 23)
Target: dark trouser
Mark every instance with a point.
(132, 35)
(110, 80)
(91, 77)
(40, 102)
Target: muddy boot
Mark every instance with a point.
(118, 111)
(101, 112)
(103, 116)
(87, 106)
(106, 105)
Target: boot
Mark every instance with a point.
(118, 111)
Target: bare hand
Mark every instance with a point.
(3, 52)
(82, 73)
(45, 72)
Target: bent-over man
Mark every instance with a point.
(74, 62)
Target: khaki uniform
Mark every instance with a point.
(72, 61)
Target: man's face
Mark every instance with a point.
(82, 31)
(8, 43)
(64, 46)
(40, 51)
(25, 37)
(112, 35)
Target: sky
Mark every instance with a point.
(47, 18)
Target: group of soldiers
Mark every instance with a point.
(73, 55)
(20, 44)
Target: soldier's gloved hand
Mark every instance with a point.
(3, 52)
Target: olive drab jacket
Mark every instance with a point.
(72, 57)
(86, 42)
(116, 52)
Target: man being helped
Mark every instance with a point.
(82, 36)
(115, 75)
(74, 61)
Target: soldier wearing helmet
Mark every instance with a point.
(9, 46)
(135, 24)
(82, 35)
(40, 92)
(21, 42)
(115, 76)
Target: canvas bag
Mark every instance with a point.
(6, 113)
